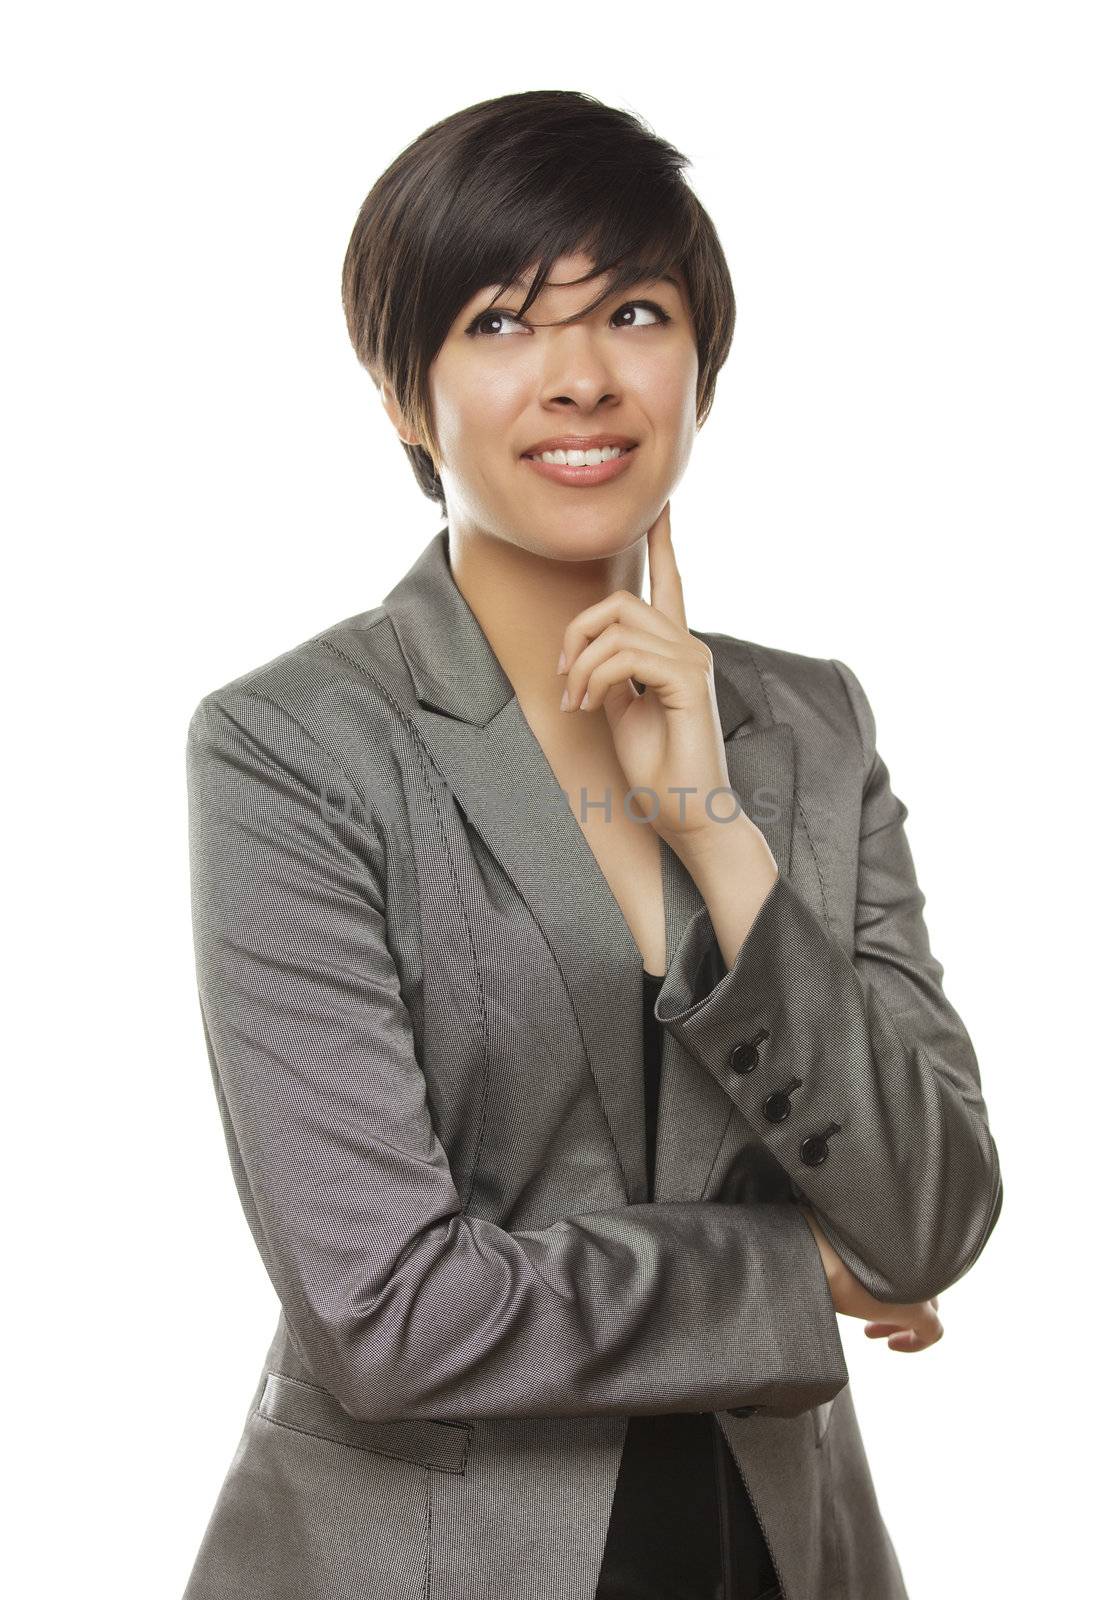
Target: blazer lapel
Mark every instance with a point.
(470, 719)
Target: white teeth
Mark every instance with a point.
(579, 458)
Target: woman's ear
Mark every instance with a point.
(394, 411)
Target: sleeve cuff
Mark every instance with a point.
(746, 1024)
(697, 980)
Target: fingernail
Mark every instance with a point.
(584, 702)
(565, 699)
(561, 662)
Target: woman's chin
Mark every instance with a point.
(587, 544)
(584, 534)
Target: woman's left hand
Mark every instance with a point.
(926, 1330)
(668, 740)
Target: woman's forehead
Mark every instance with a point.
(569, 273)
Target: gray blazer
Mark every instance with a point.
(422, 1006)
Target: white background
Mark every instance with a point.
(895, 473)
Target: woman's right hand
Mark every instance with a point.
(906, 1327)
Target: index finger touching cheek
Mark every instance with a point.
(665, 583)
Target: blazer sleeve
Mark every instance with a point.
(853, 1069)
(402, 1305)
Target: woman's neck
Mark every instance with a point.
(524, 602)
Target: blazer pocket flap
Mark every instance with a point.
(308, 1409)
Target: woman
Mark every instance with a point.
(471, 870)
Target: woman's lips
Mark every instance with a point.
(582, 477)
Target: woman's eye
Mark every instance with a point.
(482, 323)
(477, 326)
(659, 313)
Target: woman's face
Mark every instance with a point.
(499, 387)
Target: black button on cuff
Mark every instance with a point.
(744, 1058)
(776, 1106)
(814, 1149)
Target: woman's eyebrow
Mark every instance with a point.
(664, 277)
(524, 281)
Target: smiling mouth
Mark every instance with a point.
(582, 458)
(582, 474)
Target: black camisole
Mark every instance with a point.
(682, 1524)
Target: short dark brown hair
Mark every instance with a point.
(484, 195)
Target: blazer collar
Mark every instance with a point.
(471, 722)
(452, 662)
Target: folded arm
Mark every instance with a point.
(404, 1306)
(854, 1070)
